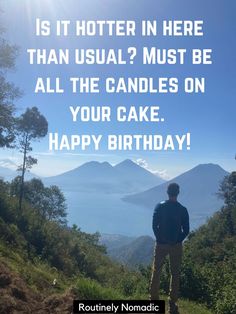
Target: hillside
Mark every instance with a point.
(43, 261)
(42, 257)
(114, 241)
(138, 252)
(209, 268)
(18, 295)
(209, 259)
(44, 264)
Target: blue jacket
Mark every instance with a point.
(170, 222)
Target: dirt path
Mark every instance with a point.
(16, 297)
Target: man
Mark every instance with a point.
(170, 226)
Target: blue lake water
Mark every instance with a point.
(107, 213)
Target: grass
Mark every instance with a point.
(88, 289)
(189, 307)
(39, 276)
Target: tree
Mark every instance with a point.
(56, 207)
(228, 189)
(228, 193)
(8, 93)
(48, 202)
(31, 126)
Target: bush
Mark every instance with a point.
(88, 289)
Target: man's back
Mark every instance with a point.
(170, 222)
(171, 226)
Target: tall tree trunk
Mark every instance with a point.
(23, 175)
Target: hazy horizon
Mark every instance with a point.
(164, 174)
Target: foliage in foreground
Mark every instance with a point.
(40, 233)
(209, 268)
(208, 273)
(41, 239)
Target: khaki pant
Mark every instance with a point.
(175, 253)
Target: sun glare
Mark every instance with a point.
(45, 8)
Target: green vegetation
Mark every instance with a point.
(209, 268)
(52, 258)
(8, 92)
(188, 307)
(208, 274)
(30, 126)
(38, 237)
(89, 289)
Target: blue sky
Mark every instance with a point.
(210, 117)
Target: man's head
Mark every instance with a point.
(173, 190)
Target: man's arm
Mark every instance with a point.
(155, 220)
(185, 224)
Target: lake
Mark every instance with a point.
(107, 213)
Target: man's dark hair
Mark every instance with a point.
(173, 189)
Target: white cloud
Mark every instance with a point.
(8, 163)
(44, 153)
(142, 163)
(160, 173)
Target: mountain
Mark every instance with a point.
(114, 241)
(7, 174)
(8, 171)
(94, 193)
(85, 177)
(126, 177)
(7, 163)
(137, 252)
(140, 176)
(198, 192)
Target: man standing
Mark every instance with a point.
(170, 226)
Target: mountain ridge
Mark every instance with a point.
(198, 191)
(125, 177)
(129, 254)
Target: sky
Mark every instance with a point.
(209, 116)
